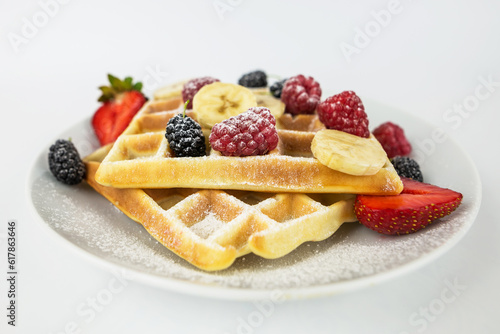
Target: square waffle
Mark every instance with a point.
(210, 228)
(141, 158)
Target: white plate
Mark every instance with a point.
(353, 257)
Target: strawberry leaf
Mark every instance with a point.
(137, 86)
(118, 86)
(128, 84)
(116, 83)
(107, 94)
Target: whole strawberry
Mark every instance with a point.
(418, 205)
(250, 133)
(344, 112)
(121, 100)
(301, 95)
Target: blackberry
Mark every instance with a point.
(277, 87)
(407, 167)
(253, 79)
(185, 137)
(65, 162)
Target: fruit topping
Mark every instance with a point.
(407, 167)
(418, 205)
(219, 101)
(65, 162)
(393, 139)
(250, 133)
(170, 91)
(253, 79)
(301, 95)
(264, 99)
(120, 102)
(277, 87)
(344, 112)
(193, 86)
(184, 136)
(348, 153)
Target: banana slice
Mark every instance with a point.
(265, 99)
(348, 153)
(218, 101)
(260, 90)
(169, 91)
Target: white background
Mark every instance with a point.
(427, 58)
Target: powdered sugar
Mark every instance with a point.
(207, 226)
(90, 222)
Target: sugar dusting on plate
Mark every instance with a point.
(90, 222)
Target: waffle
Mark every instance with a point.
(211, 228)
(141, 158)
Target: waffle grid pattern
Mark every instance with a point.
(211, 228)
(141, 158)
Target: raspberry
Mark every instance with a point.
(393, 140)
(253, 79)
(193, 86)
(407, 167)
(344, 112)
(65, 162)
(301, 95)
(185, 137)
(250, 133)
(277, 87)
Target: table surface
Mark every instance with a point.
(438, 61)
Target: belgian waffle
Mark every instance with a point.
(141, 158)
(211, 228)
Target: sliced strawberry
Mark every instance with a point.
(418, 205)
(121, 101)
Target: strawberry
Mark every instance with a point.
(418, 205)
(120, 102)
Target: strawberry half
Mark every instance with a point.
(120, 102)
(418, 205)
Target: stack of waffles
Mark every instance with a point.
(211, 210)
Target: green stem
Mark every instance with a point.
(185, 107)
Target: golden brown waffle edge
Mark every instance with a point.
(234, 223)
(140, 158)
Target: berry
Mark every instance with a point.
(184, 136)
(250, 133)
(393, 140)
(253, 79)
(418, 205)
(301, 95)
(344, 112)
(277, 87)
(120, 102)
(407, 167)
(65, 162)
(193, 86)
